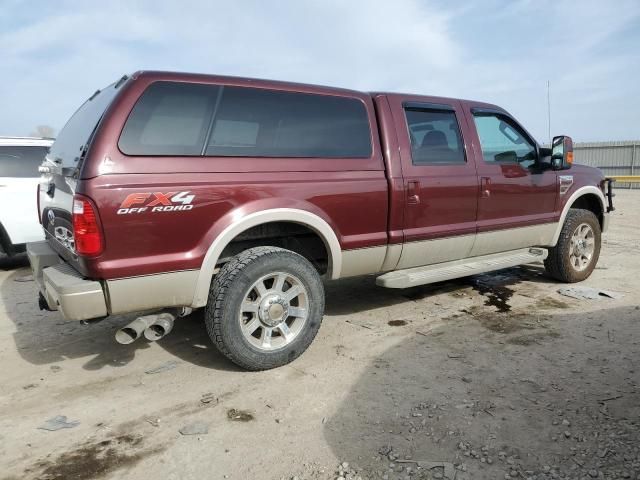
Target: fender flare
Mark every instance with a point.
(574, 196)
(303, 217)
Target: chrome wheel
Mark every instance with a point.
(65, 237)
(582, 247)
(274, 311)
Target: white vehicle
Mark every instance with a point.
(20, 158)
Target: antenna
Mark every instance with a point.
(549, 110)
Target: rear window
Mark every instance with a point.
(189, 119)
(169, 119)
(253, 122)
(21, 162)
(77, 132)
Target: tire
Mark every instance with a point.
(561, 262)
(259, 328)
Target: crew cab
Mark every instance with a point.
(167, 192)
(20, 158)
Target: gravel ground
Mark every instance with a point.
(489, 377)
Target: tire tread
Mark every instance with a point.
(220, 285)
(556, 263)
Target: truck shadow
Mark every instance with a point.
(358, 294)
(524, 397)
(45, 338)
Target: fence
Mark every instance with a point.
(613, 158)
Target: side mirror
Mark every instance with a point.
(561, 152)
(509, 157)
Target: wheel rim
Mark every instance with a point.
(274, 311)
(583, 245)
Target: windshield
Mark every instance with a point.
(69, 144)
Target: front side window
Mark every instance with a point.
(253, 122)
(435, 137)
(170, 118)
(503, 141)
(21, 161)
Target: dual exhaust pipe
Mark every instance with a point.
(153, 327)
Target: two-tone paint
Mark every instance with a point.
(373, 214)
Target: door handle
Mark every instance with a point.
(485, 184)
(413, 187)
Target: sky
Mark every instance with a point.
(56, 54)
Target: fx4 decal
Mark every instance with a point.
(156, 202)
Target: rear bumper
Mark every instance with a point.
(78, 298)
(62, 287)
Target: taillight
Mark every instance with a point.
(86, 231)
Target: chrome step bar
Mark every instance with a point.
(439, 272)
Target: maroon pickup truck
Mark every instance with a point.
(167, 192)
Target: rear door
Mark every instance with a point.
(58, 185)
(18, 183)
(517, 198)
(440, 180)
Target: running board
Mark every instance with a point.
(460, 268)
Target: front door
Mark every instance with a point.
(440, 180)
(517, 197)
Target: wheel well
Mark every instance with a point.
(5, 242)
(590, 202)
(289, 235)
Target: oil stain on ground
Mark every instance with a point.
(507, 323)
(496, 289)
(549, 303)
(93, 460)
(397, 323)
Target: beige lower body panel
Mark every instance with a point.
(173, 289)
(440, 250)
(363, 261)
(429, 252)
(508, 239)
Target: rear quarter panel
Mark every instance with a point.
(349, 194)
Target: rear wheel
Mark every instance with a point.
(265, 307)
(578, 249)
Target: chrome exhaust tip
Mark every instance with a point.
(161, 327)
(134, 330)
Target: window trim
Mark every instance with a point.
(434, 107)
(427, 106)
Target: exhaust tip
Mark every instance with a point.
(161, 327)
(154, 332)
(127, 335)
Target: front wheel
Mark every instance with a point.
(575, 255)
(265, 307)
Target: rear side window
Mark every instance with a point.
(172, 118)
(253, 122)
(169, 119)
(435, 137)
(21, 162)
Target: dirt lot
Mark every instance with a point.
(488, 377)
